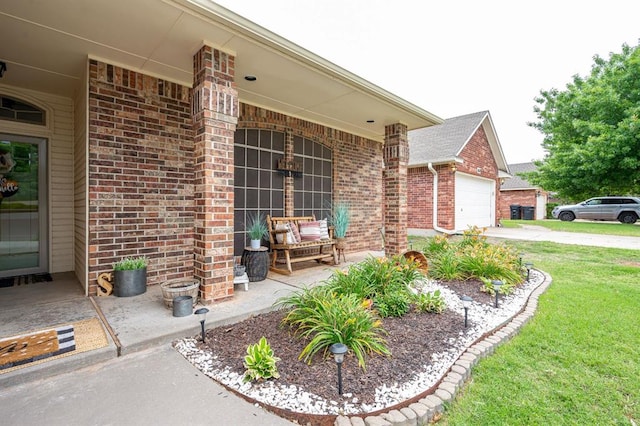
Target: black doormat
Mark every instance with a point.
(25, 279)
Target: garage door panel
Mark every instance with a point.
(475, 202)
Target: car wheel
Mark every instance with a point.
(567, 216)
(628, 217)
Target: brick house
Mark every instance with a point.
(155, 128)
(463, 159)
(516, 191)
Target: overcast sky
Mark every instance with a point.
(456, 57)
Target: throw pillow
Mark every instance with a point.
(296, 233)
(309, 231)
(290, 237)
(324, 229)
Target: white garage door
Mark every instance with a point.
(475, 202)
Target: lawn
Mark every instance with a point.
(577, 361)
(607, 228)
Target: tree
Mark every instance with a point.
(592, 131)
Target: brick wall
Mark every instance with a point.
(142, 176)
(420, 198)
(476, 155)
(446, 196)
(357, 176)
(140, 173)
(525, 197)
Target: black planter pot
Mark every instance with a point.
(129, 283)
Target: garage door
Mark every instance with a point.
(475, 201)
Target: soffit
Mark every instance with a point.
(51, 40)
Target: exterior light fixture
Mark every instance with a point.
(202, 316)
(338, 350)
(528, 265)
(250, 77)
(466, 304)
(496, 287)
(453, 167)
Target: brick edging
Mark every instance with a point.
(424, 411)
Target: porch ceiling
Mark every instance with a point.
(46, 44)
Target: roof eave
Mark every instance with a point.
(269, 39)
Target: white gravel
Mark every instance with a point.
(482, 319)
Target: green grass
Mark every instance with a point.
(578, 361)
(607, 228)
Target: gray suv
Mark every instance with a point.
(623, 209)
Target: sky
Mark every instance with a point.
(456, 57)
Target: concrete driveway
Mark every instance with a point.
(540, 233)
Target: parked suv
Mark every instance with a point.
(624, 209)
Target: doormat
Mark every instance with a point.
(25, 279)
(52, 343)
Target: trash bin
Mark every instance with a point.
(528, 212)
(515, 211)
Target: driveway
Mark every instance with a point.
(540, 233)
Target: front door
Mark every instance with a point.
(23, 214)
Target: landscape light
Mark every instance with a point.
(338, 350)
(202, 316)
(496, 287)
(528, 265)
(466, 304)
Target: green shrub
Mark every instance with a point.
(324, 318)
(436, 245)
(473, 257)
(431, 302)
(393, 304)
(375, 277)
(445, 266)
(260, 362)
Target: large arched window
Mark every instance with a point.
(259, 187)
(313, 191)
(23, 112)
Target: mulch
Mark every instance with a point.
(412, 339)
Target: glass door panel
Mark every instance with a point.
(22, 217)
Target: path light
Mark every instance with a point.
(338, 350)
(528, 265)
(466, 304)
(496, 287)
(202, 316)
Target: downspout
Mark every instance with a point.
(435, 203)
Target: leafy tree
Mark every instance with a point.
(592, 131)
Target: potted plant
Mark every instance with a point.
(256, 229)
(340, 221)
(130, 276)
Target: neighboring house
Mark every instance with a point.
(156, 127)
(516, 191)
(454, 170)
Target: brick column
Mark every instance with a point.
(396, 159)
(289, 184)
(215, 116)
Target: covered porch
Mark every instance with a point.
(165, 124)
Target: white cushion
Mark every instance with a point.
(291, 238)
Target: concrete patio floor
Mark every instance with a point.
(139, 322)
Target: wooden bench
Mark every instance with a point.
(320, 249)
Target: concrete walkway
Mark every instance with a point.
(540, 233)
